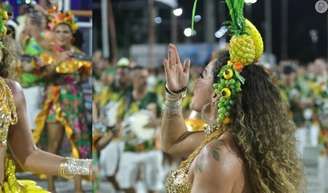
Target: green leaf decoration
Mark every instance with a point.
(236, 11)
(240, 77)
(193, 15)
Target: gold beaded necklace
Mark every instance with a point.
(8, 114)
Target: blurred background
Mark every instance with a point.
(28, 28)
(130, 40)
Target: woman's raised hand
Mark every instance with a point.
(176, 73)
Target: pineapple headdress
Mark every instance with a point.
(63, 18)
(245, 48)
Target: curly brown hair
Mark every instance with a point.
(9, 60)
(265, 135)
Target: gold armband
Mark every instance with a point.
(74, 167)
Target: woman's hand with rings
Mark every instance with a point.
(176, 73)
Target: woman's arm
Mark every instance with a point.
(22, 145)
(21, 142)
(175, 139)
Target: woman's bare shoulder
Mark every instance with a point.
(219, 155)
(219, 160)
(16, 90)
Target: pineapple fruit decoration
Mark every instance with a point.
(245, 48)
(246, 44)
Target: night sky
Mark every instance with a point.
(131, 25)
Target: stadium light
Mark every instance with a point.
(178, 12)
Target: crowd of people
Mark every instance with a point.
(305, 89)
(43, 50)
(129, 99)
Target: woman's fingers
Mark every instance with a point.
(171, 57)
(186, 66)
(176, 53)
(165, 62)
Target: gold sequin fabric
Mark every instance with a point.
(177, 180)
(8, 115)
(12, 185)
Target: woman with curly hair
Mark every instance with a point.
(248, 145)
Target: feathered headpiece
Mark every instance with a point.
(63, 18)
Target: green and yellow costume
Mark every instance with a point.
(64, 104)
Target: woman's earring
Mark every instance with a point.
(211, 122)
(206, 113)
(203, 114)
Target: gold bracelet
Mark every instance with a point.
(71, 167)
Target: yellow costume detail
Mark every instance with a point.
(195, 124)
(12, 185)
(72, 66)
(67, 67)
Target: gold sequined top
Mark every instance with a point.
(68, 66)
(177, 180)
(8, 115)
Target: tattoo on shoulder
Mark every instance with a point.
(199, 165)
(215, 149)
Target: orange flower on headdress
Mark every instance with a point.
(64, 18)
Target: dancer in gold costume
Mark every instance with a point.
(16, 141)
(248, 145)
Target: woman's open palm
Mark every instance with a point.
(176, 73)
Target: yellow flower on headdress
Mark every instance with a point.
(226, 92)
(228, 73)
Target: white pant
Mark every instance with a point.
(148, 163)
(33, 99)
(109, 157)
